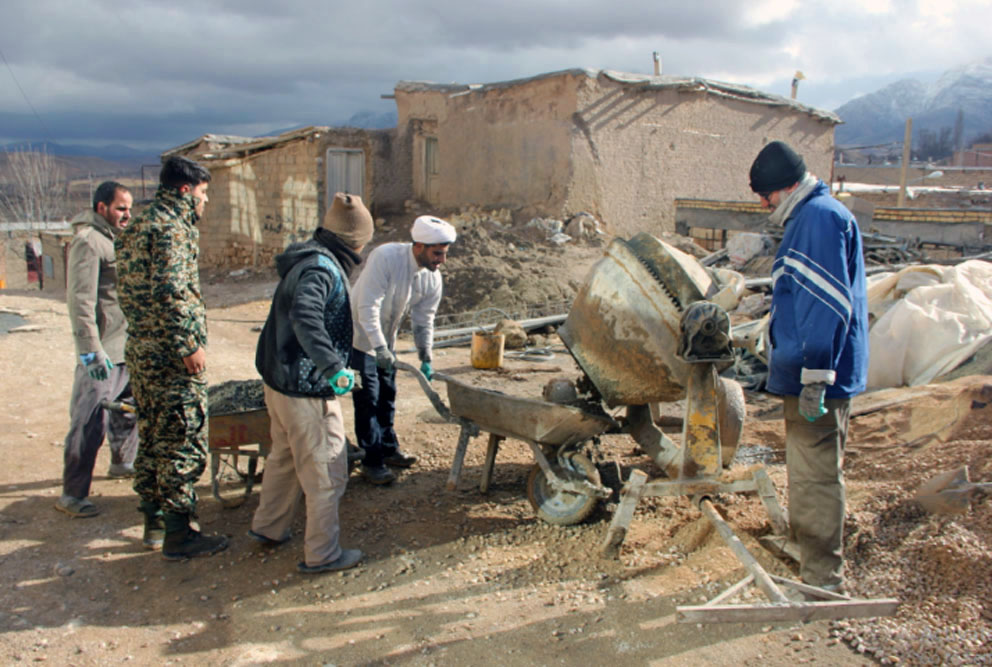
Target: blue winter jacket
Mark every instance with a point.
(819, 318)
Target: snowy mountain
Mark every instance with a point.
(880, 117)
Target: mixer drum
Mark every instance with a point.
(623, 327)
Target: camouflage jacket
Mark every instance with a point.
(158, 280)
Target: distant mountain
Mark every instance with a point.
(110, 152)
(370, 120)
(880, 117)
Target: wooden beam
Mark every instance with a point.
(802, 611)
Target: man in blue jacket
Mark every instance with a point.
(818, 358)
(302, 356)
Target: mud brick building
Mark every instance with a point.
(619, 146)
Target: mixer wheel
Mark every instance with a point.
(563, 508)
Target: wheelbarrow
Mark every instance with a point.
(234, 438)
(564, 485)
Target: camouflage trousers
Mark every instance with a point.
(172, 428)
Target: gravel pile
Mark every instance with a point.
(938, 566)
(236, 396)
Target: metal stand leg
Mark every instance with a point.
(456, 465)
(487, 470)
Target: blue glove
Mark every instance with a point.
(427, 370)
(811, 400)
(98, 364)
(342, 381)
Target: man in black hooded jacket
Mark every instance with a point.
(302, 356)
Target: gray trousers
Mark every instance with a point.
(307, 459)
(89, 423)
(814, 458)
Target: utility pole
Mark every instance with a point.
(907, 146)
(796, 78)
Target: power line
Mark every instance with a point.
(48, 135)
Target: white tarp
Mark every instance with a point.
(930, 319)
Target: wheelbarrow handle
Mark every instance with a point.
(425, 384)
(118, 406)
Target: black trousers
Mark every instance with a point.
(375, 408)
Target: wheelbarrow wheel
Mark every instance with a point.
(563, 508)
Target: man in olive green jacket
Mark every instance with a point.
(98, 331)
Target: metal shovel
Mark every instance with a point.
(950, 492)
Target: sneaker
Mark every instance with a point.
(379, 475)
(77, 508)
(120, 470)
(191, 544)
(266, 542)
(348, 558)
(399, 460)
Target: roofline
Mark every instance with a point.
(692, 84)
(235, 146)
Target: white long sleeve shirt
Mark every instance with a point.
(391, 284)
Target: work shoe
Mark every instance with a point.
(348, 558)
(120, 470)
(77, 508)
(266, 542)
(154, 534)
(379, 475)
(192, 544)
(399, 460)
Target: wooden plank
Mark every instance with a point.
(789, 612)
(732, 591)
(697, 487)
(769, 498)
(624, 513)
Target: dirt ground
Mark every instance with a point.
(462, 578)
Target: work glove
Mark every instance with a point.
(811, 400)
(98, 364)
(427, 370)
(384, 359)
(343, 381)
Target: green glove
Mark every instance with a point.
(342, 381)
(384, 359)
(811, 400)
(427, 370)
(98, 364)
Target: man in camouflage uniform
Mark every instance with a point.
(159, 285)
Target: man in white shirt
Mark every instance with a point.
(398, 277)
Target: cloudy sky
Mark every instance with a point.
(154, 74)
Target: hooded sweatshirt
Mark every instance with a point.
(307, 335)
(91, 288)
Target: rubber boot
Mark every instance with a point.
(154, 525)
(182, 542)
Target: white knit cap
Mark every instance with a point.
(432, 231)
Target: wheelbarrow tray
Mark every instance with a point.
(235, 435)
(230, 431)
(524, 419)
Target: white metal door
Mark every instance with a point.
(345, 172)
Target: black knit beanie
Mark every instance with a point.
(776, 168)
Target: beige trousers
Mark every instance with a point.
(814, 459)
(308, 459)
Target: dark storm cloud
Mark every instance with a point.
(173, 71)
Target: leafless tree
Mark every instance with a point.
(34, 187)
